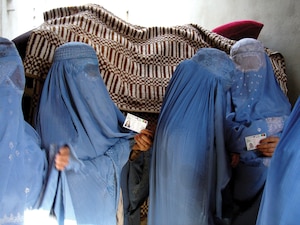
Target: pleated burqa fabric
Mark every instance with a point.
(281, 197)
(189, 166)
(76, 110)
(22, 161)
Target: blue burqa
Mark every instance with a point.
(259, 106)
(281, 197)
(76, 110)
(22, 162)
(189, 166)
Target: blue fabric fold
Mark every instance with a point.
(281, 196)
(23, 163)
(189, 165)
(76, 110)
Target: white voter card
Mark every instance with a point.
(135, 123)
(253, 140)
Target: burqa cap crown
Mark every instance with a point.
(74, 50)
(247, 45)
(248, 54)
(7, 48)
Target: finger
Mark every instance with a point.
(139, 147)
(62, 158)
(143, 140)
(136, 147)
(147, 132)
(59, 166)
(266, 146)
(268, 154)
(59, 163)
(268, 151)
(271, 139)
(64, 151)
(141, 144)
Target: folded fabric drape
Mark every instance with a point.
(22, 161)
(281, 197)
(76, 110)
(189, 166)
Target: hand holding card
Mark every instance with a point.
(135, 123)
(253, 141)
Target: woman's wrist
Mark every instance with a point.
(134, 154)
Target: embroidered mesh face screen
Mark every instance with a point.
(248, 55)
(11, 66)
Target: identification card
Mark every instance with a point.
(135, 123)
(253, 141)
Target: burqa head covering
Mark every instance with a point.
(76, 110)
(78, 103)
(22, 162)
(248, 55)
(259, 105)
(256, 93)
(188, 167)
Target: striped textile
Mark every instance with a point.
(136, 62)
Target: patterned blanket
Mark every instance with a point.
(136, 62)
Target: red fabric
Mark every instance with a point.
(237, 30)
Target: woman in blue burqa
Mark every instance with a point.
(260, 108)
(189, 165)
(22, 162)
(81, 128)
(281, 197)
